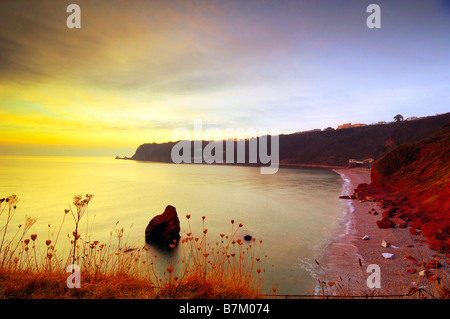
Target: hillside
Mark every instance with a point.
(333, 147)
(413, 182)
(372, 141)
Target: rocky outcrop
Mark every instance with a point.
(164, 229)
(413, 185)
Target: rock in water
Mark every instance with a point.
(163, 229)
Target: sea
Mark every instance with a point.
(296, 212)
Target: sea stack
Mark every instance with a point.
(164, 229)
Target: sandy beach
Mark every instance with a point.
(340, 261)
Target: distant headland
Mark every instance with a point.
(328, 148)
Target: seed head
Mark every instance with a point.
(170, 269)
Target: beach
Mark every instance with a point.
(347, 258)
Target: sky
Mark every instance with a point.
(137, 70)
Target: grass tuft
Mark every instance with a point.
(227, 268)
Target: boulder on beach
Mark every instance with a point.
(164, 229)
(385, 222)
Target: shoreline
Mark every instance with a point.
(280, 165)
(340, 261)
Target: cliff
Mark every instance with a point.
(413, 183)
(330, 147)
(154, 152)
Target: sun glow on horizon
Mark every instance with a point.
(136, 72)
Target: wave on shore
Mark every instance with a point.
(343, 230)
(347, 189)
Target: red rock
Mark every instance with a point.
(392, 211)
(430, 229)
(164, 229)
(447, 245)
(438, 244)
(400, 222)
(410, 258)
(385, 222)
(433, 264)
(416, 223)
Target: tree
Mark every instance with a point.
(398, 118)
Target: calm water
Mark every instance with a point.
(296, 212)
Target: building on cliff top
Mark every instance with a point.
(349, 125)
(367, 163)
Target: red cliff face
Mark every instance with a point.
(413, 183)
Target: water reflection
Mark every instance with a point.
(294, 212)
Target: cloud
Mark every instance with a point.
(122, 47)
(141, 68)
